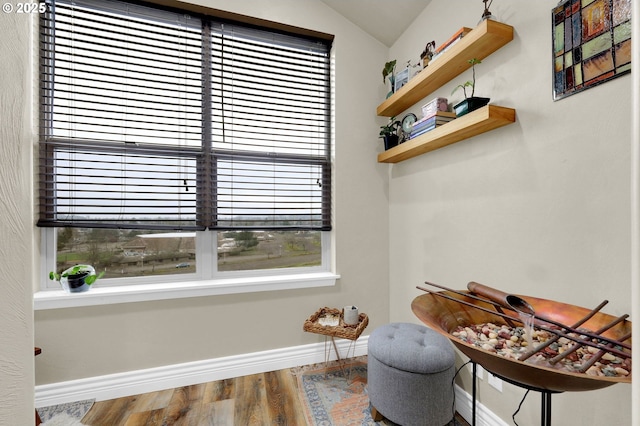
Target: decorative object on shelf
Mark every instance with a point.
(389, 71)
(389, 132)
(427, 53)
(438, 104)
(487, 14)
(402, 78)
(449, 43)
(406, 124)
(591, 44)
(472, 102)
(76, 279)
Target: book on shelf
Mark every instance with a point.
(415, 134)
(454, 38)
(440, 114)
(451, 42)
(440, 117)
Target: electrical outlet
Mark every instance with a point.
(494, 381)
(479, 371)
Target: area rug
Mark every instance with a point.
(68, 414)
(335, 394)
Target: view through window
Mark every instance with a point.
(135, 253)
(170, 143)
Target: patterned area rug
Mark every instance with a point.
(68, 414)
(335, 395)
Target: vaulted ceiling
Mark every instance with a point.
(385, 20)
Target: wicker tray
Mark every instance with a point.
(342, 330)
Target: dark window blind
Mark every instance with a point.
(153, 119)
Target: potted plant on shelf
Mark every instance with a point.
(389, 132)
(472, 102)
(389, 71)
(76, 279)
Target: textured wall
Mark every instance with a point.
(539, 207)
(16, 227)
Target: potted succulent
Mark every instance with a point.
(389, 71)
(389, 132)
(76, 279)
(472, 102)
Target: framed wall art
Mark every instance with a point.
(591, 44)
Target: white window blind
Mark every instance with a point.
(155, 119)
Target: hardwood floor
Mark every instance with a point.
(261, 399)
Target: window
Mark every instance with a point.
(181, 144)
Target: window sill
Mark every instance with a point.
(54, 299)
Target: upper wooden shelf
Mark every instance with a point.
(474, 123)
(479, 43)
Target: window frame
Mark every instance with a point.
(207, 280)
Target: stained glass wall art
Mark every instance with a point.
(591, 43)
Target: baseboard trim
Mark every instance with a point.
(128, 383)
(136, 382)
(484, 416)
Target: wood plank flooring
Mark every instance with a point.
(264, 399)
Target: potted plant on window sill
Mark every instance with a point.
(76, 279)
(470, 103)
(389, 133)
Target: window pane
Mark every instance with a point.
(126, 253)
(254, 250)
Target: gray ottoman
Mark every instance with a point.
(409, 375)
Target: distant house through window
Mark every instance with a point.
(177, 143)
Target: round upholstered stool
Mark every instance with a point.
(409, 375)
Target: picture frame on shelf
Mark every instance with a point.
(402, 78)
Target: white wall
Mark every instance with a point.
(540, 207)
(16, 316)
(92, 341)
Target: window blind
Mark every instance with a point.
(153, 119)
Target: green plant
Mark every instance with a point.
(77, 270)
(471, 83)
(388, 70)
(390, 128)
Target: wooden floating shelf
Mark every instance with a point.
(479, 43)
(474, 123)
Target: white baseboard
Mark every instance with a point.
(484, 416)
(118, 385)
(137, 382)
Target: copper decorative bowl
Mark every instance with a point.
(444, 311)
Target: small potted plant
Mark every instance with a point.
(389, 71)
(76, 279)
(472, 102)
(389, 132)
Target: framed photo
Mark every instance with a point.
(591, 44)
(402, 78)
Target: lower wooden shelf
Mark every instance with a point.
(479, 121)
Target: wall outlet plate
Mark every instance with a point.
(494, 381)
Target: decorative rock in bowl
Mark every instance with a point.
(76, 279)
